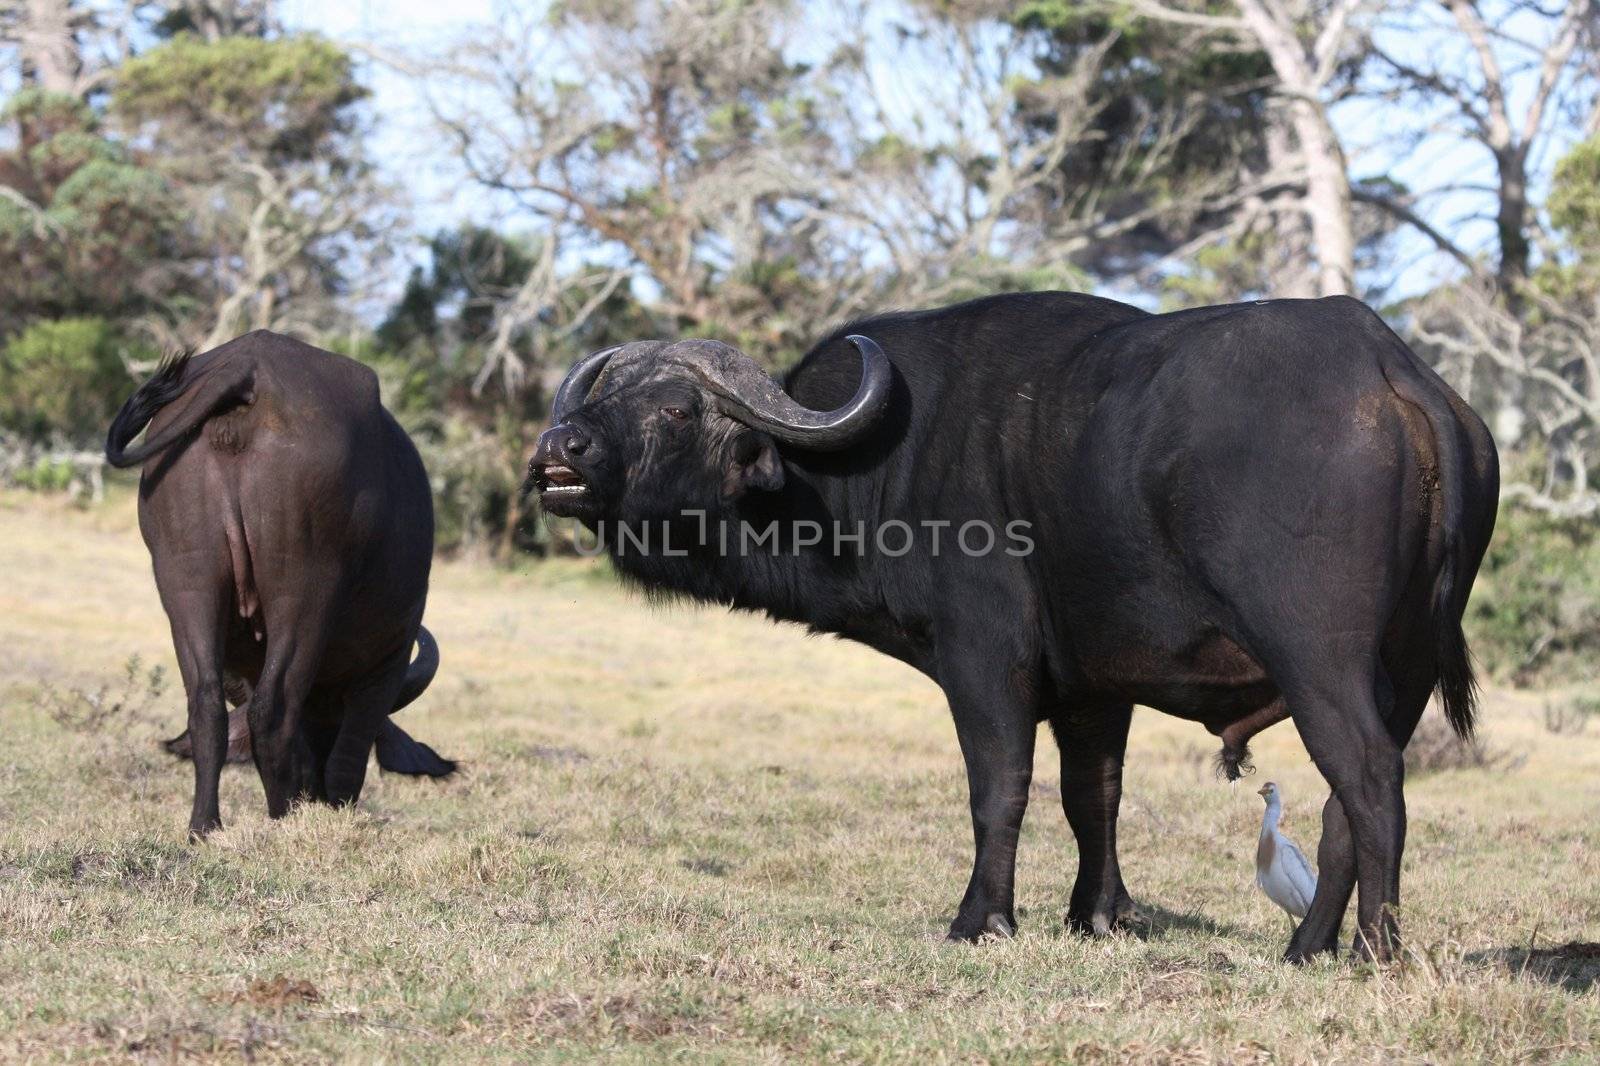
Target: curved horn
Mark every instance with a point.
(761, 402)
(420, 673)
(576, 385)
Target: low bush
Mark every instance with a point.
(1534, 616)
(63, 378)
(1435, 747)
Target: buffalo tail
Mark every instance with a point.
(1456, 686)
(221, 385)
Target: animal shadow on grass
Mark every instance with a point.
(1574, 966)
(1153, 922)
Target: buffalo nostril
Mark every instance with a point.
(577, 445)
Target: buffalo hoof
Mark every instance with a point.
(995, 927)
(1103, 921)
(1301, 952)
(1378, 954)
(1100, 923)
(199, 831)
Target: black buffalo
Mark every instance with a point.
(291, 527)
(1233, 514)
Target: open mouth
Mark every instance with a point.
(560, 479)
(557, 481)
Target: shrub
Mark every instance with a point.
(1568, 717)
(1435, 747)
(45, 475)
(62, 378)
(1534, 616)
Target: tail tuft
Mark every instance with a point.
(1457, 687)
(164, 386)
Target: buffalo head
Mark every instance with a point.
(651, 429)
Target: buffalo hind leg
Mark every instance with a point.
(1093, 741)
(289, 769)
(1318, 931)
(1336, 859)
(1336, 881)
(997, 727)
(321, 728)
(1344, 730)
(197, 628)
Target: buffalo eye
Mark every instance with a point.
(677, 414)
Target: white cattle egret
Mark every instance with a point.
(1281, 871)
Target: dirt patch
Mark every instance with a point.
(561, 756)
(279, 992)
(628, 1016)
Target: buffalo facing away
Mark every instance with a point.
(1232, 514)
(290, 523)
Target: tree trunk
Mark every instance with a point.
(1512, 220)
(1327, 200)
(50, 59)
(1294, 270)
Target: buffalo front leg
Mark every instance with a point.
(1093, 741)
(996, 729)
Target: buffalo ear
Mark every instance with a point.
(753, 465)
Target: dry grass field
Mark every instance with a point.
(687, 835)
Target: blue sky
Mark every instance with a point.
(408, 155)
(416, 163)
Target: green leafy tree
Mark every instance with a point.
(83, 227)
(63, 378)
(283, 100)
(1175, 119)
(262, 136)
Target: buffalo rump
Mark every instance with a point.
(290, 524)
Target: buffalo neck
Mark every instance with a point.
(754, 555)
